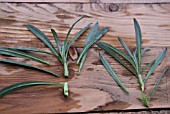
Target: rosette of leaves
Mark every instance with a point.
(135, 60)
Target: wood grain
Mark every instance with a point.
(89, 1)
(94, 89)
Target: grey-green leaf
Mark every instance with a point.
(44, 39)
(56, 40)
(68, 33)
(92, 32)
(27, 66)
(144, 51)
(21, 85)
(76, 37)
(129, 52)
(31, 49)
(90, 35)
(148, 65)
(145, 100)
(115, 56)
(138, 42)
(21, 54)
(91, 42)
(157, 83)
(158, 60)
(114, 49)
(111, 72)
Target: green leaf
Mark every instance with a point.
(145, 100)
(92, 32)
(77, 36)
(30, 49)
(21, 85)
(157, 83)
(144, 51)
(129, 52)
(114, 49)
(114, 55)
(68, 33)
(66, 92)
(82, 63)
(158, 60)
(27, 66)
(91, 42)
(44, 39)
(112, 73)
(125, 47)
(138, 42)
(148, 65)
(56, 40)
(90, 35)
(16, 53)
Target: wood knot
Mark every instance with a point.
(113, 7)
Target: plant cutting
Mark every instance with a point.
(135, 60)
(21, 85)
(93, 36)
(63, 48)
(61, 55)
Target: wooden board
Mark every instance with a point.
(90, 1)
(94, 89)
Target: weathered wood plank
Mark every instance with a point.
(90, 1)
(94, 89)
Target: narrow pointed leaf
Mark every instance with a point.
(82, 63)
(72, 27)
(138, 42)
(90, 35)
(68, 33)
(76, 37)
(91, 42)
(27, 66)
(92, 32)
(31, 49)
(148, 65)
(21, 85)
(145, 100)
(129, 52)
(112, 73)
(79, 34)
(125, 47)
(157, 83)
(115, 56)
(144, 51)
(56, 39)
(135, 61)
(114, 49)
(158, 60)
(44, 39)
(16, 53)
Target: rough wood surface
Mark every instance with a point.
(90, 1)
(94, 89)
